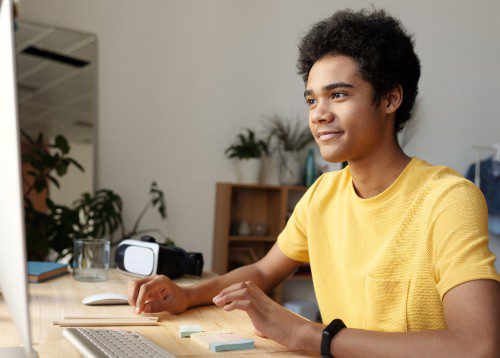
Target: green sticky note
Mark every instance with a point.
(187, 329)
(244, 343)
(223, 340)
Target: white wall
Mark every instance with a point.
(178, 79)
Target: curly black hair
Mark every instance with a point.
(380, 45)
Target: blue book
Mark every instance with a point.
(40, 271)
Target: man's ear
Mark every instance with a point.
(394, 98)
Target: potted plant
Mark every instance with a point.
(291, 137)
(48, 226)
(247, 150)
(100, 215)
(51, 229)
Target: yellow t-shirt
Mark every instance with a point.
(384, 263)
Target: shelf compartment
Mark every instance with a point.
(257, 205)
(253, 203)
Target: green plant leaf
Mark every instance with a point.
(40, 184)
(39, 139)
(53, 180)
(245, 146)
(289, 135)
(32, 173)
(26, 136)
(62, 144)
(76, 164)
(50, 204)
(62, 169)
(99, 214)
(25, 157)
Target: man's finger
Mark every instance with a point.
(252, 284)
(133, 287)
(157, 306)
(143, 295)
(233, 287)
(243, 305)
(241, 294)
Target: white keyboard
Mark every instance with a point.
(97, 343)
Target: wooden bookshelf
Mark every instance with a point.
(267, 205)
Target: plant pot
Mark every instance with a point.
(290, 168)
(269, 172)
(248, 170)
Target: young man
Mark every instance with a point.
(398, 248)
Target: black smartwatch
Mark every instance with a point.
(328, 333)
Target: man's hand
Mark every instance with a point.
(269, 318)
(156, 293)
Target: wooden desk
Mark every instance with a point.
(62, 296)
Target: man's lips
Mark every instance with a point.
(327, 135)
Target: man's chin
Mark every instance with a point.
(333, 157)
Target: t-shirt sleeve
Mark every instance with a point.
(460, 239)
(293, 239)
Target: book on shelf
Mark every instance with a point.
(39, 271)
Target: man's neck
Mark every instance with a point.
(376, 172)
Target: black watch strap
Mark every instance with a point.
(328, 333)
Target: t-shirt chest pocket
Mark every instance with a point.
(385, 304)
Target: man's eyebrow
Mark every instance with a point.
(330, 87)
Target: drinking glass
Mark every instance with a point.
(91, 259)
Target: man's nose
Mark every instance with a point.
(322, 114)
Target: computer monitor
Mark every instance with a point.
(13, 262)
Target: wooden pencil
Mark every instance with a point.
(139, 318)
(103, 322)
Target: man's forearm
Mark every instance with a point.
(204, 292)
(362, 343)
(267, 273)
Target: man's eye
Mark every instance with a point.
(336, 95)
(310, 101)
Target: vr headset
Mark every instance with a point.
(146, 257)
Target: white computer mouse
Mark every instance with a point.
(106, 299)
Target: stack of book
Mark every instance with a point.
(42, 271)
